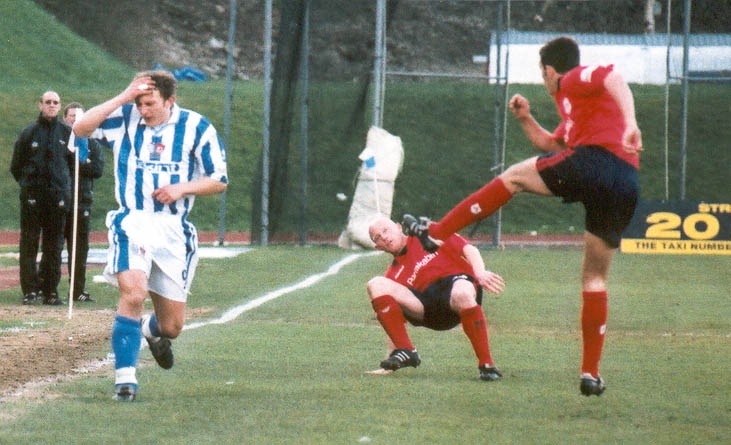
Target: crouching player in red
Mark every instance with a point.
(436, 290)
(592, 157)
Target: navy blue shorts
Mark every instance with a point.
(438, 315)
(606, 185)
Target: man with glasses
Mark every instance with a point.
(40, 165)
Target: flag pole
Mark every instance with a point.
(71, 260)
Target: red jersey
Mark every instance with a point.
(589, 114)
(417, 268)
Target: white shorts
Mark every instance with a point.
(164, 246)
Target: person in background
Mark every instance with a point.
(40, 165)
(89, 170)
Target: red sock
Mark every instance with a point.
(392, 319)
(593, 327)
(475, 327)
(479, 205)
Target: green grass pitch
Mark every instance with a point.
(292, 369)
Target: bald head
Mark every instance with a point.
(387, 235)
(50, 104)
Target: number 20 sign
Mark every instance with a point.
(679, 227)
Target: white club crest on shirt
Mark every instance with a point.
(475, 209)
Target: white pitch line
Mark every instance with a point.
(227, 316)
(234, 312)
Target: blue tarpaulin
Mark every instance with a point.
(185, 73)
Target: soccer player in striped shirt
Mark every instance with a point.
(164, 156)
(591, 157)
(437, 290)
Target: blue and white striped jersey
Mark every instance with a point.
(183, 149)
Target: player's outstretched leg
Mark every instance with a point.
(126, 340)
(401, 358)
(420, 229)
(479, 205)
(160, 347)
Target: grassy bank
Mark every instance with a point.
(446, 127)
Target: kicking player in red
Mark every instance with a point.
(436, 290)
(591, 157)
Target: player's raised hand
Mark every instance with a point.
(519, 106)
(139, 86)
(490, 281)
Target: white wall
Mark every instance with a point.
(638, 64)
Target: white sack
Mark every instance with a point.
(382, 158)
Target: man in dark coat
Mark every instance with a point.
(40, 165)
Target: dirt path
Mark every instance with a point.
(48, 344)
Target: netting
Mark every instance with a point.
(341, 42)
(438, 100)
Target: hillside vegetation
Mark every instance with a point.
(439, 35)
(446, 128)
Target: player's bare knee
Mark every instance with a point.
(171, 328)
(462, 299)
(594, 284)
(377, 286)
(133, 297)
(512, 178)
(517, 178)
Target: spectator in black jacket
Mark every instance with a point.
(40, 164)
(89, 170)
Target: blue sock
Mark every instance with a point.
(154, 329)
(126, 341)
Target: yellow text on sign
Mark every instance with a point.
(685, 247)
(664, 225)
